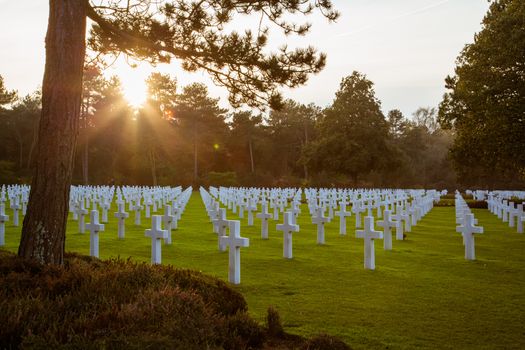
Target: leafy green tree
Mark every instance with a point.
(92, 86)
(20, 124)
(201, 122)
(485, 102)
(420, 148)
(190, 31)
(353, 136)
(162, 91)
(6, 96)
(244, 128)
(426, 118)
(112, 135)
(396, 122)
(291, 129)
(154, 122)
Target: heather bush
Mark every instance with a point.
(120, 304)
(273, 322)
(116, 303)
(325, 342)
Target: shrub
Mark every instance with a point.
(516, 200)
(119, 304)
(273, 322)
(325, 342)
(477, 204)
(445, 202)
(243, 332)
(115, 303)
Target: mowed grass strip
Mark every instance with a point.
(423, 294)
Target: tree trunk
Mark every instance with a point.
(85, 159)
(153, 165)
(20, 142)
(195, 163)
(305, 167)
(43, 232)
(20, 154)
(251, 155)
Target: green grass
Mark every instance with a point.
(423, 294)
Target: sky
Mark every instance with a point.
(405, 47)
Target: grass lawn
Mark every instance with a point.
(423, 294)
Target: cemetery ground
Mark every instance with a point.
(423, 293)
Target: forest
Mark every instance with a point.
(182, 136)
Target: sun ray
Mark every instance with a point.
(133, 80)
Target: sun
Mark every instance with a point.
(133, 81)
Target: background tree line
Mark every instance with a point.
(183, 136)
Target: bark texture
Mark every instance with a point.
(43, 232)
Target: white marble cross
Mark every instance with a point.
(157, 234)
(276, 211)
(398, 217)
(251, 208)
(15, 206)
(506, 209)
(369, 206)
(288, 227)
(177, 213)
(94, 227)
(121, 215)
(414, 211)
(515, 213)
(137, 208)
(369, 234)
(3, 219)
(167, 219)
(147, 204)
(242, 206)
(104, 205)
(319, 219)
(357, 209)
(387, 223)
(264, 215)
(295, 210)
(234, 241)
(342, 213)
(468, 230)
(520, 218)
(331, 205)
(213, 210)
(81, 213)
(378, 205)
(405, 215)
(221, 224)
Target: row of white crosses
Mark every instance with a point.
(159, 234)
(506, 210)
(241, 200)
(234, 240)
(397, 210)
(82, 197)
(402, 215)
(156, 233)
(237, 197)
(18, 197)
(467, 226)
